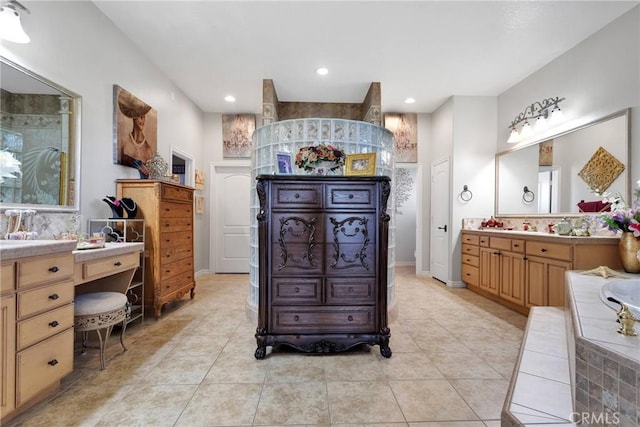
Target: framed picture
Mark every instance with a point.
(135, 130)
(405, 132)
(284, 163)
(360, 164)
(199, 179)
(237, 130)
(199, 204)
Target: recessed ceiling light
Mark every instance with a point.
(322, 71)
(230, 98)
(409, 101)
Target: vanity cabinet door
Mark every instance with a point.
(7, 354)
(545, 281)
(512, 277)
(489, 270)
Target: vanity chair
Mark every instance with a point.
(100, 312)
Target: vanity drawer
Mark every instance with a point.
(43, 326)
(470, 274)
(312, 320)
(500, 243)
(352, 196)
(44, 269)
(175, 210)
(296, 291)
(171, 192)
(470, 250)
(471, 260)
(557, 251)
(43, 365)
(299, 196)
(517, 246)
(108, 266)
(7, 277)
(45, 298)
(484, 241)
(471, 239)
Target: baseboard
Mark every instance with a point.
(202, 273)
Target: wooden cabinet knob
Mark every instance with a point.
(54, 269)
(54, 324)
(296, 318)
(54, 297)
(350, 318)
(53, 362)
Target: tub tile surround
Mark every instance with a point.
(574, 366)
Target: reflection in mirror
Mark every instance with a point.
(566, 170)
(40, 126)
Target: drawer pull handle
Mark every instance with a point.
(296, 318)
(297, 196)
(54, 297)
(516, 246)
(53, 362)
(117, 264)
(297, 289)
(54, 269)
(543, 250)
(350, 318)
(54, 324)
(351, 196)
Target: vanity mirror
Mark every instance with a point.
(40, 126)
(556, 172)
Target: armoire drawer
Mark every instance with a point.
(312, 320)
(293, 290)
(351, 197)
(349, 291)
(297, 196)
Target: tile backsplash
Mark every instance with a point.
(49, 225)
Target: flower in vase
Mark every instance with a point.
(9, 166)
(308, 157)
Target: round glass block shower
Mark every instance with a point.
(289, 136)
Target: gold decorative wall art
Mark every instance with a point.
(601, 170)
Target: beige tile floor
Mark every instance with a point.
(453, 356)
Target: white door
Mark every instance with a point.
(440, 227)
(229, 240)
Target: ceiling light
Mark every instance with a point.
(322, 71)
(409, 100)
(10, 25)
(230, 98)
(544, 112)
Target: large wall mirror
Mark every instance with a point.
(561, 172)
(40, 126)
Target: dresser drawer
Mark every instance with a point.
(43, 365)
(470, 250)
(176, 238)
(173, 284)
(471, 260)
(351, 291)
(297, 227)
(176, 224)
(290, 291)
(45, 269)
(170, 192)
(44, 298)
(351, 196)
(174, 268)
(549, 250)
(109, 266)
(176, 210)
(470, 274)
(44, 325)
(175, 253)
(7, 277)
(310, 320)
(470, 239)
(296, 195)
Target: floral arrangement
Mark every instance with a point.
(622, 217)
(9, 166)
(309, 156)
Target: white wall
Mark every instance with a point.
(76, 46)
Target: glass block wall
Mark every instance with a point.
(288, 136)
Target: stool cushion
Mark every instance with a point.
(98, 302)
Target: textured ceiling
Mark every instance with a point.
(428, 50)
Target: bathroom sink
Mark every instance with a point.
(626, 291)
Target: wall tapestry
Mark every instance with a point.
(405, 132)
(135, 130)
(601, 170)
(237, 130)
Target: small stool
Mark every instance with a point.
(100, 312)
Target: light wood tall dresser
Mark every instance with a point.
(167, 209)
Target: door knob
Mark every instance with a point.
(443, 228)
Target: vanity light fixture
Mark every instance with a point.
(543, 112)
(10, 25)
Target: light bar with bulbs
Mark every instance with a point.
(542, 113)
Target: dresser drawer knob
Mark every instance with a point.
(350, 318)
(297, 196)
(54, 297)
(296, 318)
(54, 269)
(350, 289)
(53, 362)
(117, 264)
(297, 289)
(54, 324)
(543, 250)
(351, 196)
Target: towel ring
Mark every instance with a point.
(528, 196)
(466, 194)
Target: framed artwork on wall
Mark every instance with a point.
(199, 178)
(283, 160)
(405, 132)
(237, 130)
(199, 204)
(135, 130)
(360, 164)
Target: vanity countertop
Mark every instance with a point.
(13, 249)
(541, 236)
(109, 249)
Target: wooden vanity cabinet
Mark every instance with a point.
(7, 339)
(167, 209)
(322, 263)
